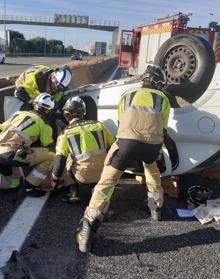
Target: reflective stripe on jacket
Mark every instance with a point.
(87, 143)
(83, 139)
(26, 126)
(143, 114)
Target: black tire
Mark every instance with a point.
(3, 61)
(189, 64)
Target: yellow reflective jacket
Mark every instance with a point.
(34, 80)
(27, 127)
(83, 139)
(143, 113)
(87, 142)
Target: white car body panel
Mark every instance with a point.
(195, 129)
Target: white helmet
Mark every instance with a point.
(44, 101)
(61, 78)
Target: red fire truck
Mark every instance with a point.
(180, 50)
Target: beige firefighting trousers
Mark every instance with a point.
(41, 158)
(110, 176)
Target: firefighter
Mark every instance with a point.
(19, 132)
(38, 79)
(84, 144)
(143, 115)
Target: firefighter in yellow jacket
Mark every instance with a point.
(38, 79)
(143, 117)
(19, 132)
(84, 143)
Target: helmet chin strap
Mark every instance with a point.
(42, 111)
(53, 87)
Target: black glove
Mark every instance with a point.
(24, 151)
(22, 94)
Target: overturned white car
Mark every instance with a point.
(194, 129)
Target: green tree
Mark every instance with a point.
(69, 49)
(55, 47)
(13, 35)
(18, 45)
(38, 45)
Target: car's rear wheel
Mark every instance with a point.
(189, 64)
(3, 60)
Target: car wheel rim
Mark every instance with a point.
(179, 64)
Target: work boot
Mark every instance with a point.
(155, 203)
(35, 192)
(84, 236)
(156, 214)
(27, 189)
(72, 194)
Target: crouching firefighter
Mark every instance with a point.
(84, 145)
(18, 134)
(41, 78)
(143, 115)
(38, 79)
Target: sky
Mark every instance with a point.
(129, 13)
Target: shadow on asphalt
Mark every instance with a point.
(51, 251)
(110, 247)
(18, 64)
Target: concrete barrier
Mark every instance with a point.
(4, 82)
(91, 71)
(84, 71)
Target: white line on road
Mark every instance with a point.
(113, 74)
(17, 229)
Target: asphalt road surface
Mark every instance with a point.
(127, 245)
(14, 66)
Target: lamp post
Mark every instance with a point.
(64, 40)
(5, 24)
(45, 42)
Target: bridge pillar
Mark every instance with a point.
(114, 41)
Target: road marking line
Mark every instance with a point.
(17, 229)
(113, 74)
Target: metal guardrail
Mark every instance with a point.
(40, 54)
(31, 54)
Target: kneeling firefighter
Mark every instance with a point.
(18, 134)
(143, 117)
(84, 144)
